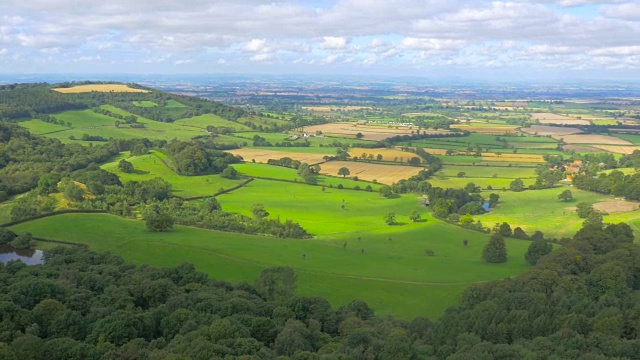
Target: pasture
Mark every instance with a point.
(202, 121)
(393, 276)
(385, 174)
(144, 103)
(488, 171)
(486, 129)
(99, 88)
(541, 210)
(151, 166)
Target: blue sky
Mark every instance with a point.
(475, 38)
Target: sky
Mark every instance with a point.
(444, 38)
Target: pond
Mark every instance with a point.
(28, 256)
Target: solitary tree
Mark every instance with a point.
(359, 135)
(125, 166)
(379, 157)
(566, 196)
(517, 185)
(493, 199)
(495, 251)
(390, 218)
(461, 174)
(385, 191)
(344, 171)
(415, 216)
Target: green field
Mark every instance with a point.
(483, 182)
(205, 120)
(287, 174)
(393, 276)
(541, 210)
(151, 166)
(488, 171)
(174, 104)
(145, 103)
(91, 123)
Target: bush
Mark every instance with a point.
(495, 251)
(536, 250)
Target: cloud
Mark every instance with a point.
(4, 52)
(345, 34)
(256, 45)
(261, 57)
(222, 61)
(334, 43)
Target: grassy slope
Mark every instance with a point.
(205, 120)
(150, 166)
(392, 275)
(488, 171)
(88, 122)
(541, 210)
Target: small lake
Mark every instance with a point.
(28, 256)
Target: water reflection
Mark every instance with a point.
(28, 256)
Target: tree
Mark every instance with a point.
(493, 199)
(518, 233)
(385, 191)
(584, 209)
(379, 157)
(159, 222)
(566, 196)
(23, 241)
(229, 172)
(517, 185)
(461, 174)
(259, 212)
(48, 184)
(344, 171)
(276, 283)
(495, 251)
(72, 191)
(125, 166)
(390, 218)
(415, 216)
(504, 229)
(359, 135)
(536, 250)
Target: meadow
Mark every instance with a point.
(202, 121)
(99, 88)
(151, 166)
(393, 274)
(541, 210)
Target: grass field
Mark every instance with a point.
(145, 104)
(393, 276)
(488, 171)
(205, 120)
(541, 210)
(91, 123)
(496, 184)
(150, 166)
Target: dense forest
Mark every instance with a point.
(580, 301)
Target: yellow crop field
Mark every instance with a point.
(530, 158)
(370, 132)
(497, 130)
(335, 108)
(262, 156)
(549, 118)
(99, 88)
(626, 150)
(543, 130)
(384, 174)
(387, 154)
(592, 139)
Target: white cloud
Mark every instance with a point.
(4, 52)
(330, 59)
(256, 45)
(222, 61)
(182, 62)
(334, 43)
(261, 57)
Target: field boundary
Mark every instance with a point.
(243, 184)
(53, 213)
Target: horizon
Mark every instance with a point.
(490, 41)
